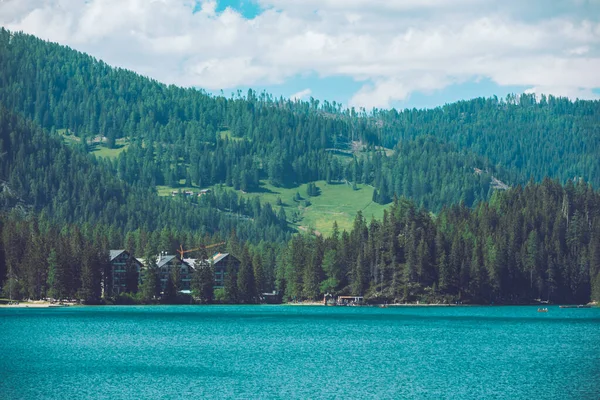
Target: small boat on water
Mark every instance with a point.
(542, 310)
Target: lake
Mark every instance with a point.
(299, 352)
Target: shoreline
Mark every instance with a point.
(47, 304)
(37, 304)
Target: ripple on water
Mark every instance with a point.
(300, 352)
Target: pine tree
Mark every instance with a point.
(89, 290)
(203, 282)
(245, 280)
(282, 217)
(56, 285)
(595, 264)
(231, 286)
(331, 268)
(131, 278)
(310, 278)
(259, 273)
(150, 284)
(170, 293)
(360, 275)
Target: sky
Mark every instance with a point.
(360, 53)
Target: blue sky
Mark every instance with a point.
(340, 89)
(361, 53)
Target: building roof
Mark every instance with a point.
(218, 257)
(168, 258)
(164, 260)
(196, 262)
(115, 253)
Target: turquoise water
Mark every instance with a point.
(299, 352)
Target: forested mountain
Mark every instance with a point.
(39, 172)
(550, 136)
(185, 134)
(429, 171)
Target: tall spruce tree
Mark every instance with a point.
(245, 280)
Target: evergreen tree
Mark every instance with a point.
(56, 277)
(332, 270)
(170, 293)
(90, 290)
(150, 287)
(203, 282)
(231, 286)
(245, 279)
(259, 274)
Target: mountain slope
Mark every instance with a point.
(179, 136)
(40, 172)
(549, 136)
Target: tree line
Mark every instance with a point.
(437, 158)
(532, 243)
(541, 241)
(42, 259)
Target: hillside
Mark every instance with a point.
(162, 135)
(42, 174)
(527, 137)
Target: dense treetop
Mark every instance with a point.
(541, 241)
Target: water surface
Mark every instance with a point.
(299, 352)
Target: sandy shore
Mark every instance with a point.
(305, 303)
(33, 304)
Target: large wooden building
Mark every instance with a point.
(166, 264)
(222, 264)
(124, 273)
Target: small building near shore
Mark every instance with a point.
(273, 297)
(350, 300)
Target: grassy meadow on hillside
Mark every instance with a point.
(335, 202)
(97, 145)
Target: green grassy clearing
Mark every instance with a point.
(336, 202)
(227, 134)
(100, 150)
(166, 190)
(68, 136)
(96, 147)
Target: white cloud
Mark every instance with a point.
(395, 48)
(385, 91)
(566, 91)
(579, 51)
(301, 94)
